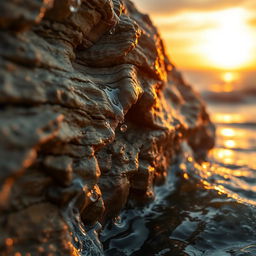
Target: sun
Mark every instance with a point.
(228, 77)
(229, 45)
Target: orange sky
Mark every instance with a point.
(206, 34)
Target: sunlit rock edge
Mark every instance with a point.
(92, 113)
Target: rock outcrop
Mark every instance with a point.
(92, 114)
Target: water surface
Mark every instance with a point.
(206, 209)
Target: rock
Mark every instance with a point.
(92, 114)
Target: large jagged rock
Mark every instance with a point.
(92, 114)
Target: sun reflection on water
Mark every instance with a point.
(230, 77)
(228, 82)
(230, 143)
(232, 146)
(228, 132)
(227, 118)
(226, 180)
(224, 155)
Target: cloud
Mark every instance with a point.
(174, 6)
(183, 26)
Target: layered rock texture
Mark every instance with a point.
(92, 114)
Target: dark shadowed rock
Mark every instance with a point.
(92, 114)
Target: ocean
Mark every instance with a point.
(206, 209)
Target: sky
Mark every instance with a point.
(206, 34)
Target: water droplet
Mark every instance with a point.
(117, 220)
(123, 128)
(107, 124)
(74, 5)
(150, 194)
(112, 31)
(93, 196)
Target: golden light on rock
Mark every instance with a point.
(9, 242)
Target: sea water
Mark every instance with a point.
(206, 209)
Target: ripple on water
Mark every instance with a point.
(206, 209)
(201, 210)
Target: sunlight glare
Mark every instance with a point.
(227, 118)
(224, 154)
(228, 132)
(228, 77)
(229, 143)
(229, 45)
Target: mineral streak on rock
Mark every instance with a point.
(92, 114)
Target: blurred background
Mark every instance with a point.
(206, 34)
(212, 41)
(213, 44)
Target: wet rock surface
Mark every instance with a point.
(92, 114)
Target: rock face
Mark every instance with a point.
(92, 113)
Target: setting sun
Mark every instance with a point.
(228, 77)
(197, 38)
(229, 45)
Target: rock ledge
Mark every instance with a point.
(92, 114)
